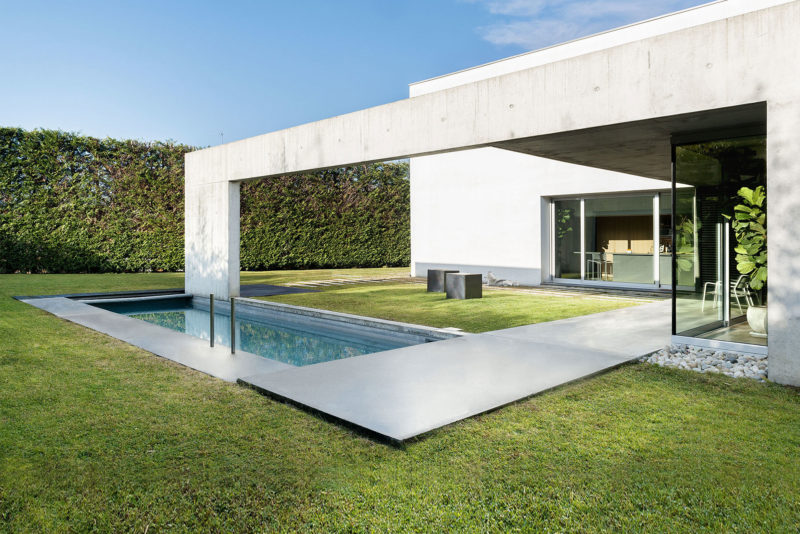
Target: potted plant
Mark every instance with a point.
(749, 225)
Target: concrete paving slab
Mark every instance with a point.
(402, 393)
(59, 306)
(630, 332)
(406, 392)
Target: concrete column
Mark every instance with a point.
(783, 213)
(212, 238)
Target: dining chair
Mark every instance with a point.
(739, 289)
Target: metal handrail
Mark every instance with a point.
(211, 314)
(233, 326)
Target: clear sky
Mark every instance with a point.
(188, 70)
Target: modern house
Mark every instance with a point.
(532, 220)
(612, 161)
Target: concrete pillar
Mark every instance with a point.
(783, 227)
(212, 238)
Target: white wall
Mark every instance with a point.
(481, 210)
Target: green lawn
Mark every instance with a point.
(96, 435)
(411, 303)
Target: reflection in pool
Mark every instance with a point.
(293, 341)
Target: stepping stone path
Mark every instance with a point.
(550, 291)
(351, 281)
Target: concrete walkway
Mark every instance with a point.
(406, 392)
(402, 393)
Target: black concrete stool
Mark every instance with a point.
(436, 279)
(464, 286)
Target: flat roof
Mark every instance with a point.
(687, 18)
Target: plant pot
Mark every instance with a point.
(757, 319)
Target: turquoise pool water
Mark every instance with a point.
(293, 341)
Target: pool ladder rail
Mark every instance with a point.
(211, 316)
(233, 325)
(233, 322)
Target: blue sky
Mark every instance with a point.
(187, 71)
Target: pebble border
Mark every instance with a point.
(702, 360)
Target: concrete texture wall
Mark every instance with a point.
(481, 210)
(212, 239)
(783, 227)
(694, 16)
(719, 64)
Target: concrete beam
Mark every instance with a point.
(730, 62)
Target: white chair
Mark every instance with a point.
(716, 292)
(594, 265)
(608, 262)
(739, 289)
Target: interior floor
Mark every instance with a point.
(692, 313)
(737, 333)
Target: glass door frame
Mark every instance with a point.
(748, 130)
(655, 194)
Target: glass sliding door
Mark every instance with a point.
(712, 297)
(567, 239)
(618, 239)
(682, 240)
(610, 239)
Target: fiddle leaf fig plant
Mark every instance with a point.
(749, 224)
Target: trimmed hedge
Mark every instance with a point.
(352, 217)
(70, 203)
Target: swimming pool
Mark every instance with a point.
(285, 337)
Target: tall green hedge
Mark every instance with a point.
(357, 216)
(70, 203)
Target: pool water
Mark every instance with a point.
(290, 341)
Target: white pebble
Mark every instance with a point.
(689, 358)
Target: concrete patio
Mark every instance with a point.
(402, 393)
(406, 392)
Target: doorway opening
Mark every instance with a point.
(717, 253)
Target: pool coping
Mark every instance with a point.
(439, 334)
(104, 295)
(194, 352)
(115, 300)
(267, 290)
(178, 347)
